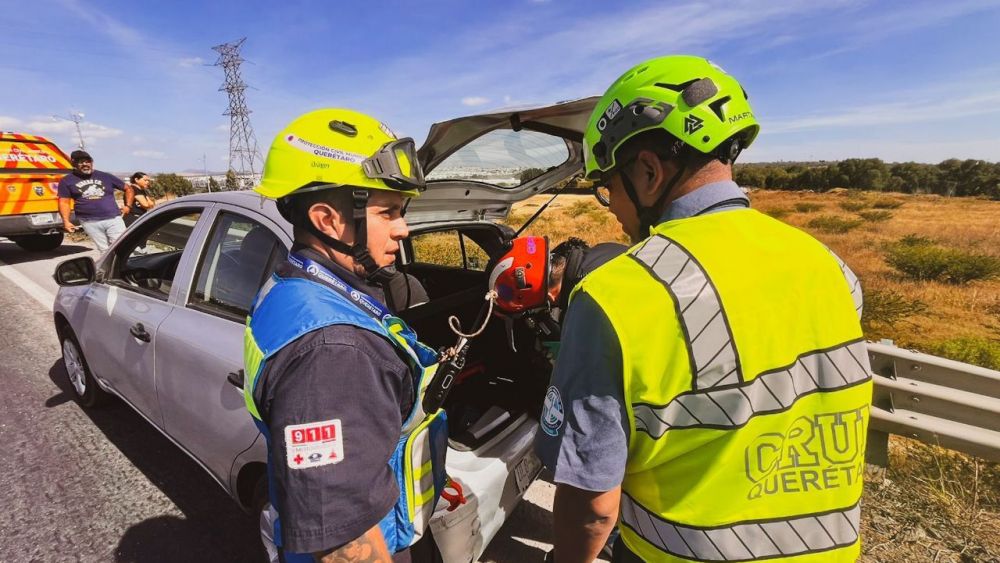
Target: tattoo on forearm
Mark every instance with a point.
(361, 550)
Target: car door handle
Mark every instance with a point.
(139, 331)
(235, 378)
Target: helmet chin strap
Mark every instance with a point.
(359, 250)
(648, 216)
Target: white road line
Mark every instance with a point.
(37, 292)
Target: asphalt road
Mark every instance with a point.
(104, 485)
(99, 485)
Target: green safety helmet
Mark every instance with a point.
(338, 147)
(689, 97)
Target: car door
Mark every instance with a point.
(128, 305)
(200, 346)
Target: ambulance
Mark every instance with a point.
(30, 170)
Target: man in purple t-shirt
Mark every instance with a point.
(96, 208)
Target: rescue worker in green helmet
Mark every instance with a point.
(712, 389)
(333, 378)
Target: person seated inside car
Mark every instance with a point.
(569, 261)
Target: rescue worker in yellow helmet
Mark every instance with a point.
(334, 379)
(712, 388)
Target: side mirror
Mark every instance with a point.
(78, 271)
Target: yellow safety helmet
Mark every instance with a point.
(330, 148)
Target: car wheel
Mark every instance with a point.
(38, 243)
(84, 387)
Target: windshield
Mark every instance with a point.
(503, 158)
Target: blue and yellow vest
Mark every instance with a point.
(747, 386)
(287, 308)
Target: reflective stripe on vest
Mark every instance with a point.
(747, 386)
(776, 391)
(746, 540)
(710, 342)
(714, 359)
(852, 282)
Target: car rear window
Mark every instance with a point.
(504, 158)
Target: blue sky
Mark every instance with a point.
(900, 80)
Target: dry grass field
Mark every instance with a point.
(942, 297)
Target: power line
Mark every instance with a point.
(243, 154)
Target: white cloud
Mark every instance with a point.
(155, 155)
(89, 129)
(916, 15)
(119, 32)
(473, 101)
(190, 62)
(7, 122)
(224, 127)
(906, 107)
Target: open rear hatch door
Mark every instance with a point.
(478, 166)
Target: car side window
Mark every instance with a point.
(239, 256)
(147, 259)
(449, 248)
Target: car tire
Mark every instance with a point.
(81, 381)
(38, 243)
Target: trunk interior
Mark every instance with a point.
(498, 386)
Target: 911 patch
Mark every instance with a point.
(314, 444)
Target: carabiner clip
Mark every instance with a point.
(455, 498)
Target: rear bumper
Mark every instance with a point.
(492, 490)
(30, 224)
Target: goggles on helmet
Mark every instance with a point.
(396, 164)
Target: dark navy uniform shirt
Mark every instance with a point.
(350, 374)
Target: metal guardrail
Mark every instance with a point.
(934, 400)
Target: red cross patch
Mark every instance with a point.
(314, 444)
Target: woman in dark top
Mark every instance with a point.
(142, 202)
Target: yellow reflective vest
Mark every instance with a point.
(747, 385)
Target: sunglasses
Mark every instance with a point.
(602, 194)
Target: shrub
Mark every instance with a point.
(915, 240)
(776, 212)
(580, 207)
(923, 261)
(971, 350)
(888, 307)
(806, 207)
(876, 216)
(834, 224)
(887, 203)
(853, 205)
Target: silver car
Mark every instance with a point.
(158, 320)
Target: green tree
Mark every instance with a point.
(915, 178)
(862, 173)
(172, 184)
(750, 176)
(813, 178)
(213, 185)
(232, 182)
(969, 177)
(777, 178)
